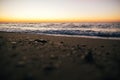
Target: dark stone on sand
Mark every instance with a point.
(41, 41)
(89, 57)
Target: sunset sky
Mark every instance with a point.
(59, 10)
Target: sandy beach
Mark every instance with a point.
(43, 57)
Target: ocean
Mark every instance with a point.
(98, 30)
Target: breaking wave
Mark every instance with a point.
(79, 29)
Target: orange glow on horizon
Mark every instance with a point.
(60, 20)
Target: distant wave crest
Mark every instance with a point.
(80, 29)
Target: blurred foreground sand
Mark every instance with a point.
(43, 57)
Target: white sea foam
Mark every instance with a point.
(78, 29)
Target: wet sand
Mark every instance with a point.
(42, 57)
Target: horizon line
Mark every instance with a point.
(59, 21)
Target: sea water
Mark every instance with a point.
(101, 30)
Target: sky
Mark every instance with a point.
(59, 10)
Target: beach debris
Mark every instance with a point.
(40, 41)
(89, 57)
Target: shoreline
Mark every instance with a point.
(69, 36)
(80, 36)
